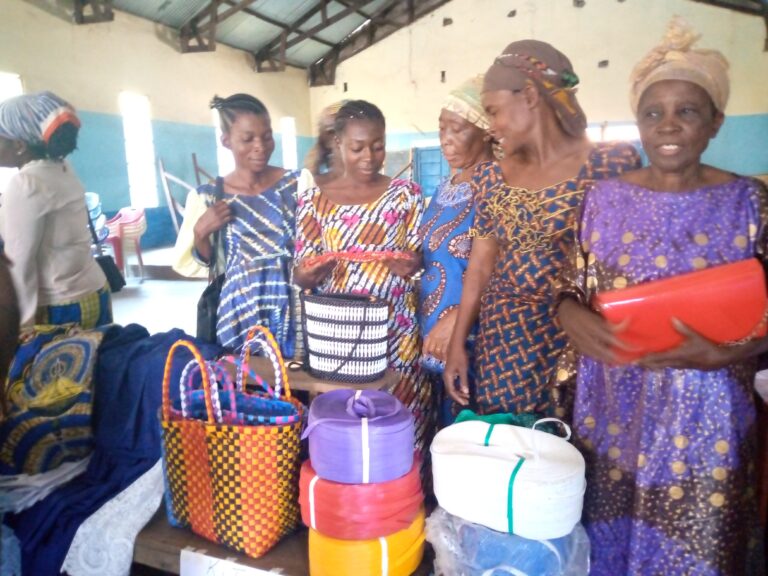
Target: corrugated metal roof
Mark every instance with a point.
(247, 31)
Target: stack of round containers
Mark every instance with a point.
(360, 492)
(512, 479)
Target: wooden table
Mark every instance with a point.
(304, 381)
(159, 546)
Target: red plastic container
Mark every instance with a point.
(723, 303)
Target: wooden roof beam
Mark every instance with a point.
(390, 18)
(267, 52)
(93, 11)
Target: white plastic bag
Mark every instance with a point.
(466, 549)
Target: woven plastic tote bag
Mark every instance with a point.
(232, 478)
(345, 336)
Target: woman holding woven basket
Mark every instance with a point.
(379, 217)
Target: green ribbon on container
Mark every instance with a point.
(511, 488)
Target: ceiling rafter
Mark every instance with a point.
(754, 7)
(274, 51)
(391, 17)
(93, 11)
(199, 33)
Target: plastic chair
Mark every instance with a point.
(175, 207)
(129, 224)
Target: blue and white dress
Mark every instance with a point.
(259, 247)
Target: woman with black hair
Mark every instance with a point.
(254, 208)
(44, 219)
(365, 210)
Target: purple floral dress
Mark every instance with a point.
(670, 453)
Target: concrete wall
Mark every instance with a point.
(90, 65)
(402, 74)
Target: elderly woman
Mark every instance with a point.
(445, 227)
(44, 219)
(323, 160)
(523, 229)
(669, 440)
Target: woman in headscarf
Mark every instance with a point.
(44, 219)
(523, 229)
(444, 231)
(323, 160)
(670, 439)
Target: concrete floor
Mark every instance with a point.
(158, 305)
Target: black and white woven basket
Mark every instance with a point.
(345, 336)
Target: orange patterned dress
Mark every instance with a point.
(519, 341)
(390, 222)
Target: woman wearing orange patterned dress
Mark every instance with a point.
(368, 211)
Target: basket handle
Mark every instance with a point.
(260, 335)
(167, 379)
(216, 373)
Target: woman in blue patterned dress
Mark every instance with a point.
(445, 227)
(255, 208)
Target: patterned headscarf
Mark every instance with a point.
(675, 59)
(551, 73)
(465, 101)
(33, 118)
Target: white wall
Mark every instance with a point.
(90, 64)
(401, 74)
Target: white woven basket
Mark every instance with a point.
(345, 336)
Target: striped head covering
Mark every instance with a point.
(551, 73)
(676, 59)
(33, 118)
(465, 101)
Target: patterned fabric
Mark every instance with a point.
(389, 223)
(259, 260)
(446, 245)
(91, 311)
(32, 118)
(49, 401)
(518, 340)
(670, 453)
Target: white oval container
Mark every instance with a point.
(509, 478)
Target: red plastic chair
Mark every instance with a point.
(128, 225)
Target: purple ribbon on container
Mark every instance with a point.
(360, 436)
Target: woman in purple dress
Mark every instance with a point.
(670, 439)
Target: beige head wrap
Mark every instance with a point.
(551, 73)
(675, 59)
(465, 101)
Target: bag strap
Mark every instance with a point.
(359, 339)
(166, 408)
(90, 226)
(218, 239)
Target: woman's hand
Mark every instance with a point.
(437, 341)
(590, 333)
(455, 373)
(696, 352)
(404, 266)
(213, 219)
(310, 276)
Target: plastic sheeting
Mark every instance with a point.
(466, 549)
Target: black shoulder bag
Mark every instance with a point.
(208, 304)
(106, 262)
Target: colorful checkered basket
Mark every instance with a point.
(232, 478)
